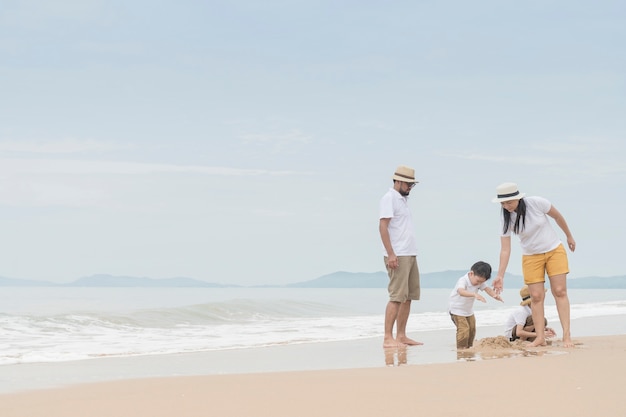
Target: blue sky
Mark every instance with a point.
(249, 142)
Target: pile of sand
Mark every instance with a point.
(501, 347)
(498, 342)
(493, 348)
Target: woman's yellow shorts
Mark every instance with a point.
(535, 267)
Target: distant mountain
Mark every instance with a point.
(341, 279)
(448, 279)
(444, 279)
(103, 280)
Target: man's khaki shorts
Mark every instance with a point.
(404, 281)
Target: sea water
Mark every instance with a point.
(56, 324)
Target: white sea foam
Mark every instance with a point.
(67, 328)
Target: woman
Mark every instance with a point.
(542, 251)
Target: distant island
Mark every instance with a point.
(340, 279)
(444, 279)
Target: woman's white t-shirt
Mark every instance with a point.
(538, 236)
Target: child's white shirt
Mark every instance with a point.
(518, 316)
(464, 306)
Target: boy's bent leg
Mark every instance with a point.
(529, 327)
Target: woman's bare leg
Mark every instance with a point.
(537, 298)
(558, 284)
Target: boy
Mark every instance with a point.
(462, 302)
(520, 324)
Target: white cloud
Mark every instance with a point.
(17, 166)
(113, 48)
(580, 146)
(25, 192)
(64, 146)
(278, 142)
(32, 14)
(510, 159)
(592, 157)
(80, 183)
(272, 213)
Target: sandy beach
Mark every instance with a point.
(495, 381)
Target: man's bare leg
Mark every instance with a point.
(391, 316)
(403, 318)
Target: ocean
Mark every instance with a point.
(53, 324)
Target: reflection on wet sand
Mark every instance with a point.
(395, 356)
(465, 355)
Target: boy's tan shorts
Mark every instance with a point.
(404, 281)
(535, 267)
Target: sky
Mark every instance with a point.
(249, 142)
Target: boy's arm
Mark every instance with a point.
(519, 331)
(525, 333)
(464, 293)
(493, 294)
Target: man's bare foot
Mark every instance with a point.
(410, 342)
(392, 343)
(568, 343)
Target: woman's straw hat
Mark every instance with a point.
(507, 191)
(404, 174)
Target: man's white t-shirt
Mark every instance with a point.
(464, 306)
(538, 236)
(518, 316)
(396, 207)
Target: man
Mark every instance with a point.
(400, 250)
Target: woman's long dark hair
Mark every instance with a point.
(520, 221)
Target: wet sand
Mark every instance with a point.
(490, 380)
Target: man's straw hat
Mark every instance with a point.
(405, 174)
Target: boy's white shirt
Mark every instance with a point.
(464, 306)
(518, 316)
